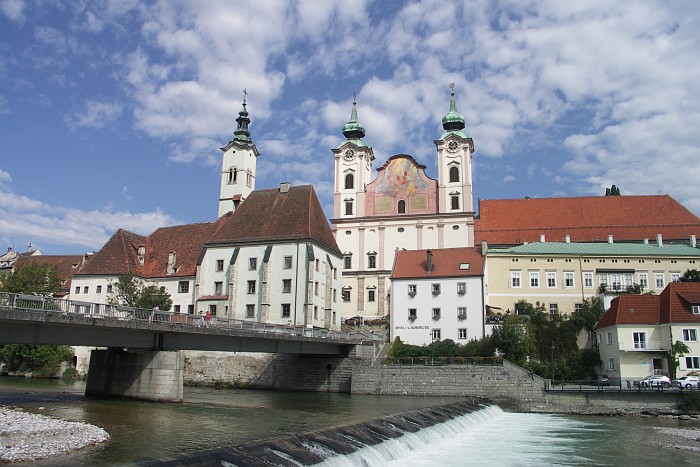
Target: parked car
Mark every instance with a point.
(602, 380)
(654, 381)
(688, 382)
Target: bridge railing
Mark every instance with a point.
(121, 312)
(435, 361)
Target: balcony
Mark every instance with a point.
(648, 346)
(616, 289)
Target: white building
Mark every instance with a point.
(402, 208)
(437, 295)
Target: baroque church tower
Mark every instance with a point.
(238, 166)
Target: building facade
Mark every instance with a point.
(402, 208)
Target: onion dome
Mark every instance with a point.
(453, 121)
(241, 134)
(353, 129)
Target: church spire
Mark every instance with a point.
(453, 121)
(353, 129)
(242, 134)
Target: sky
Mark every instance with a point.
(113, 113)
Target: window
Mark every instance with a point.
(212, 310)
(109, 288)
(454, 201)
(86, 289)
(316, 288)
(252, 264)
(553, 309)
(436, 334)
(176, 308)
(349, 181)
(218, 288)
(348, 208)
(183, 287)
(454, 174)
(436, 289)
(534, 279)
(644, 280)
(412, 313)
(287, 262)
(372, 261)
(335, 295)
(98, 289)
(569, 280)
(219, 265)
(190, 309)
(412, 289)
(515, 278)
(286, 285)
(250, 311)
(551, 279)
(461, 288)
(695, 309)
(345, 295)
(692, 363)
(77, 290)
(610, 338)
(347, 262)
(640, 340)
(251, 286)
(659, 280)
(578, 307)
(401, 208)
(611, 363)
(286, 310)
(462, 312)
(370, 295)
(317, 264)
(462, 333)
(675, 277)
(588, 280)
(690, 335)
(436, 313)
(315, 312)
(616, 282)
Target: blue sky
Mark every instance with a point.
(112, 113)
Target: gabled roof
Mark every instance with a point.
(273, 215)
(66, 265)
(117, 256)
(411, 264)
(672, 305)
(584, 219)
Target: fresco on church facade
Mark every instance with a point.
(401, 176)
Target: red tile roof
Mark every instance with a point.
(66, 265)
(411, 264)
(672, 305)
(272, 215)
(585, 219)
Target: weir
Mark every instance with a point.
(318, 446)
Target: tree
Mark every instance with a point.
(691, 275)
(32, 278)
(679, 349)
(512, 339)
(131, 290)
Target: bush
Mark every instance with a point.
(44, 361)
(71, 374)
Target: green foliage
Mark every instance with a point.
(691, 275)
(483, 347)
(71, 374)
(131, 290)
(32, 278)
(447, 348)
(679, 349)
(43, 361)
(512, 339)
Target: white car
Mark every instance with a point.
(688, 382)
(655, 381)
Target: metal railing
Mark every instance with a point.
(38, 303)
(643, 346)
(614, 385)
(438, 361)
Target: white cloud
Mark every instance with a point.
(96, 115)
(13, 9)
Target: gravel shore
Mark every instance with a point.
(25, 436)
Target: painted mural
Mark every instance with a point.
(401, 177)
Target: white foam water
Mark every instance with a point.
(487, 436)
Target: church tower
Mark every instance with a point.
(238, 166)
(353, 170)
(455, 151)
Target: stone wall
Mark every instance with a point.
(235, 369)
(610, 402)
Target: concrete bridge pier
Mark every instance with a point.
(153, 375)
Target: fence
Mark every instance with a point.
(430, 361)
(616, 386)
(100, 310)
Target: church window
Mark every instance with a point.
(372, 261)
(348, 208)
(232, 175)
(249, 179)
(347, 262)
(454, 174)
(402, 206)
(370, 295)
(454, 201)
(349, 181)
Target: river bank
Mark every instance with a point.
(26, 436)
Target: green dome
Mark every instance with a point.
(453, 121)
(353, 129)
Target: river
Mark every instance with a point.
(210, 418)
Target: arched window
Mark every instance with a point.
(402, 206)
(349, 181)
(348, 208)
(454, 173)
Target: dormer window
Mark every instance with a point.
(170, 269)
(696, 309)
(141, 254)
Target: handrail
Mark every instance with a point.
(121, 312)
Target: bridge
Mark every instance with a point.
(30, 319)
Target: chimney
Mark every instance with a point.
(484, 247)
(567, 238)
(610, 238)
(429, 262)
(659, 240)
(284, 187)
(542, 238)
(693, 242)
(646, 241)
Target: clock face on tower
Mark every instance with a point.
(349, 154)
(452, 146)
